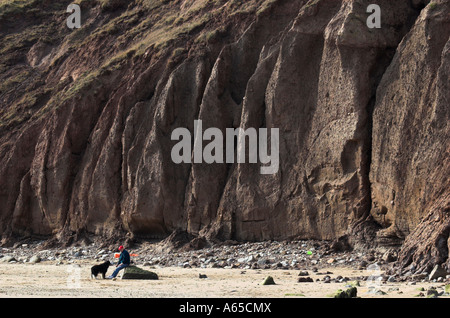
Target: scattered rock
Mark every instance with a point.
(362, 265)
(134, 272)
(355, 283)
(202, 276)
(391, 279)
(432, 292)
(391, 289)
(349, 293)
(388, 257)
(268, 281)
(303, 273)
(35, 259)
(437, 272)
(376, 291)
(305, 280)
(419, 277)
(8, 259)
(341, 244)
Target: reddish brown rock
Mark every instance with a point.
(410, 149)
(85, 144)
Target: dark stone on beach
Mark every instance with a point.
(349, 293)
(134, 272)
(268, 281)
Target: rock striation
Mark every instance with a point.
(363, 119)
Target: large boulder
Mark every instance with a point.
(437, 272)
(349, 293)
(134, 272)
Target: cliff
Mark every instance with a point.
(87, 117)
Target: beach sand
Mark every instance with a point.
(73, 280)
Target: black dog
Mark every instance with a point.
(102, 268)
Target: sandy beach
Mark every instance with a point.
(47, 279)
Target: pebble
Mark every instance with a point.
(391, 279)
(375, 291)
(303, 273)
(305, 280)
(8, 259)
(35, 259)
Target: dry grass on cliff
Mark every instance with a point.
(113, 33)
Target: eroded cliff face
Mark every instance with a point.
(362, 116)
(411, 143)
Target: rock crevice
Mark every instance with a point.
(362, 116)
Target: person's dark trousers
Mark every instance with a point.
(118, 269)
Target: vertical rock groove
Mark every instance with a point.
(362, 116)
